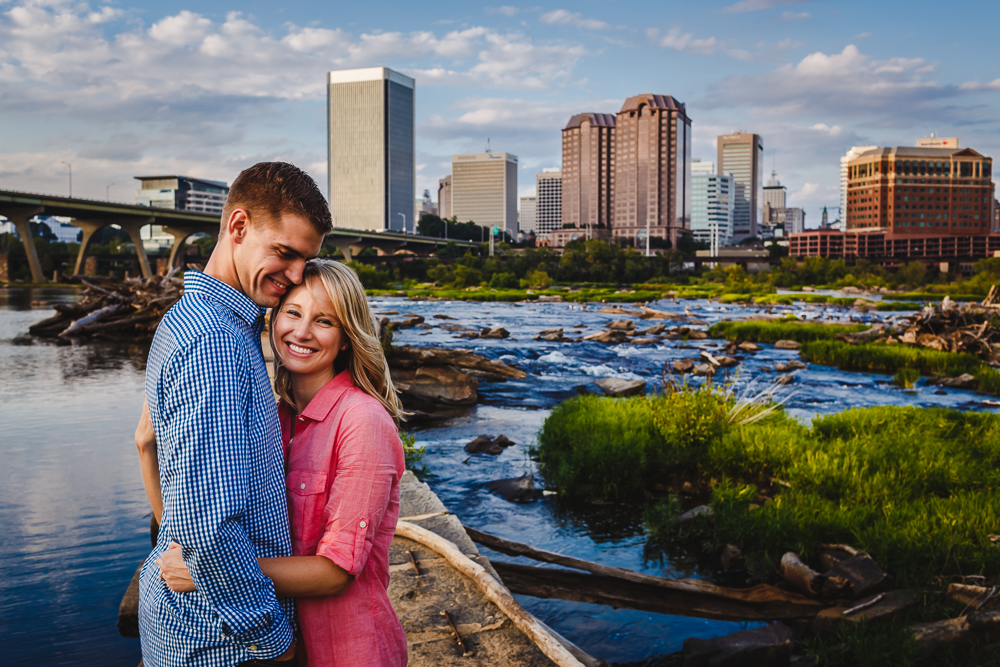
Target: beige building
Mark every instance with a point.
(652, 169)
(444, 197)
(588, 158)
(484, 189)
(742, 155)
(371, 153)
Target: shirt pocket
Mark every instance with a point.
(306, 500)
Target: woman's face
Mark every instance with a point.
(307, 334)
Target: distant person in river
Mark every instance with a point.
(217, 464)
(339, 413)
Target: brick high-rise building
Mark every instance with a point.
(920, 192)
(588, 157)
(742, 155)
(652, 169)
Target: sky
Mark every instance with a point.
(205, 89)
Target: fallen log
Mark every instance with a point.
(686, 597)
(620, 587)
(81, 324)
(800, 575)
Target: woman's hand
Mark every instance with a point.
(149, 462)
(173, 570)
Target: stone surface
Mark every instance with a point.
(786, 345)
(495, 332)
(682, 365)
(784, 379)
(704, 369)
(516, 489)
(410, 356)
(829, 621)
(791, 365)
(767, 646)
(435, 385)
(484, 444)
(963, 381)
(624, 325)
(864, 574)
(613, 337)
(748, 346)
(616, 387)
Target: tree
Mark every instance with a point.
(912, 273)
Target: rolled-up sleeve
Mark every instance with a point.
(206, 406)
(364, 469)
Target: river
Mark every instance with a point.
(74, 518)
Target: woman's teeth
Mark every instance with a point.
(299, 349)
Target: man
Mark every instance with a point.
(218, 437)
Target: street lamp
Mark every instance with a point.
(107, 191)
(70, 165)
(403, 215)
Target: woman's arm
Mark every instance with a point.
(145, 442)
(293, 577)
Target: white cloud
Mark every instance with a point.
(758, 5)
(795, 16)
(975, 85)
(683, 41)
(565, 17)
(807, 191)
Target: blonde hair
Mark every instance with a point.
(364, 358)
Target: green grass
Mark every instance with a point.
(899, 305)
(880, 358)
(907, 378)
(930, 296)
(769, 331)
(916, 488)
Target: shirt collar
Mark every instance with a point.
(196, 282)
(321, 404)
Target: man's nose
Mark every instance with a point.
(295, 270)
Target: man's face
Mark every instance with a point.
(271, 255)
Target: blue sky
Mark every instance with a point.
(139, 87)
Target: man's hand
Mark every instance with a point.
(173, 571)
(144, 436)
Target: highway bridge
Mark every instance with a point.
(91, 215)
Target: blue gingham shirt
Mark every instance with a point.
(221, 469)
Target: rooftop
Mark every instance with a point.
(596, 119)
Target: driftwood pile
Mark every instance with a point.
(972, 328)
(111, 308)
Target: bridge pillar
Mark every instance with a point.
(21, 217)
(132, 229)
(89, 229)
(180, 235)
(348, 246)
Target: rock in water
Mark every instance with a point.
(516, 489)
(613, 337)
(435, 385)
(682, 366)
(503, 441)
(786, 345)
(768, 646)
(792, 365)
(484, 444)
(623, 325)
(616, 387)
(963, 381)
(749, 347)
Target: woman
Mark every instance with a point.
(343, 462)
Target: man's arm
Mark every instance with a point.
(205, 408)
(149, 464)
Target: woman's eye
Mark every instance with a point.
(291, 312)
(325, 322)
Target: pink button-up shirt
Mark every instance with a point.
(344, 466)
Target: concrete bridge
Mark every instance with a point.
(91, 215)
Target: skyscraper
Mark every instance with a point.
(527, 215)
(711, 205)
(484, 189)
(774, 192)
(742, 155)
(588, 156)
(444, 197)
(371, 150)
(549, 215)
(652, 169)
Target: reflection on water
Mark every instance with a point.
(74, 518)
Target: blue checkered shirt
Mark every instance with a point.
(219, 445)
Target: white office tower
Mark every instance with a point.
(372, 160)
(774, 192)
(549, 189)
(527, 217)
(851, 154)
(484, 190)
(712, 205)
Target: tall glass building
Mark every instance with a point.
(742, 155)
(712, 205)
(371, 151)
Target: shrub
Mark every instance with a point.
(504, 280)
(907, 378)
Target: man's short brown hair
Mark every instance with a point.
(271, 189)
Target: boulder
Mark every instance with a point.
(484, 444)
(786, 345)
(644, 341)
(516, 489)
(785, 379)
(555, 298)
(682, 365)
(767, 646)
(963, 381)
(435, 385)
(727, 362)
(410, 356)
(624, 325)
(455, 328)
(408, 322)
(495, 332)
(863, 573)
(551, 335)
(442, 317)
(611, 337)
(704, 369)
(791, 365)
(830, 622)
(656, 329)
(616, 387)
(747, 346)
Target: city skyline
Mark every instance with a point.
(204, 90)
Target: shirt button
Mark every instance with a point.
(363, 524)
(302, 485)
(253, 647)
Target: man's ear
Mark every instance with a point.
(238, 225)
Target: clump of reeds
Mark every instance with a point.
(907, 378)
(769, 331)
